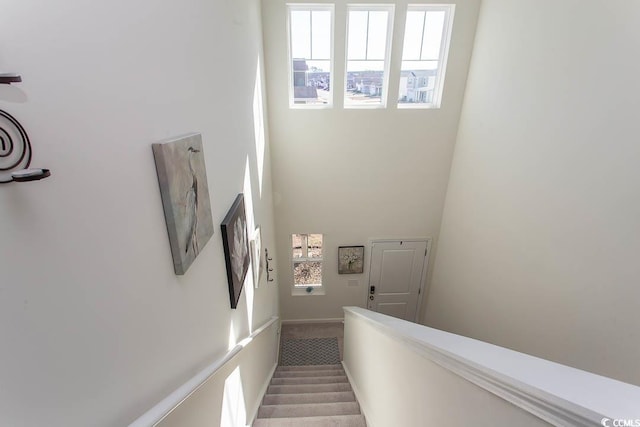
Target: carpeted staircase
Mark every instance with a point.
(313, 396)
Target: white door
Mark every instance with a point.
(397, 273)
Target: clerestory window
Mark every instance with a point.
(310, 55)
(369, 31)
(424, 55)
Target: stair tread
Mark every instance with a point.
(300, 374)
(325, 421)
(307, 367)
(309, 380)
(308, 388)
(309, 373)
(323, 397)
(308, 410)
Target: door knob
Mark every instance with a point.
(371, 297)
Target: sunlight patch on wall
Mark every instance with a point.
(258, 124)
(251, 226)
(232, 336)
(234, 413)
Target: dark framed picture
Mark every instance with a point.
(350, 259)
(236, 248)
(185, 197)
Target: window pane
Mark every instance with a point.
(413, 35)
(422, 58)
(366, 56)
(310, 59)
(301, 34)
(432, 35)
(364, 82)
(357, 40)
(419, 65)
(307, 273)
(417, 84)
(321, 35)
(315, 246)
(296, 245)
(377, 42)
(311, 81)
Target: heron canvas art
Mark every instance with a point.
(185, 197)
(236, 248)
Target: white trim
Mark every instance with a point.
(364, 7)
(356, 391)
(311, 7)
(558, 394)
(163, 408)
(300, 321)
(445, 44)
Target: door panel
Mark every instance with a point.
(398, 309)
(396, 272)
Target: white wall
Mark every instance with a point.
(540, 236)
(413, 390)
(232, 396)
(357, 174)
(94, 324)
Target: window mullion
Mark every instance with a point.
(311, 34)
(424, 25)
(366, 46)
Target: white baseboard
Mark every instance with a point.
(298, 321)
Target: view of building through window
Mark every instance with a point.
(423, 54)
(310, 41)
(368, 46)
(367, 55)
(306, 253)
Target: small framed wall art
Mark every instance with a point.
(350, 259)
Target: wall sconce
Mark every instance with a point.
(15, 151)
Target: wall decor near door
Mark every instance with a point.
(236, 248)
(15, 152)
(185, 197)
(350, 259)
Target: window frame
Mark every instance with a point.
(303, 258)
(370, 7)
(445, 43)
(311, 7)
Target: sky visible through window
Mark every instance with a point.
(310, 44)
(366, 54)
(422, 56)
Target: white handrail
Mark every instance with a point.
(559, 394)
(172, 401)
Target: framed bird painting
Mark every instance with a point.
(185, 197)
